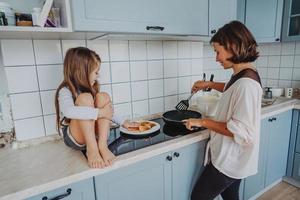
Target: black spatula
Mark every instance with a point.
(184, 104)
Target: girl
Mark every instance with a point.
(234, 136)
(85, 111)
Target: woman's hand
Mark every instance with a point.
(199, 85)
(128, 124)
(192, 123)
(106, 112)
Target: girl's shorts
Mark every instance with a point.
(70, 141)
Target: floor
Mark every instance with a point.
(282, 191)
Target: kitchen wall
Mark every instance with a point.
(142, 77)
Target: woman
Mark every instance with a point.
(232, 151)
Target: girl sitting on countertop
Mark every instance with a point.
(83, 112)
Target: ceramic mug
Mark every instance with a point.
(288, 92)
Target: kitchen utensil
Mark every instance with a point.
(211, 80)
(184, 104)
(175, 117)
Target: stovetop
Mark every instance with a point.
(120, 143)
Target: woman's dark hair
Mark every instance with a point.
(236, 38)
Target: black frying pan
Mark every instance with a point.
(175, 117)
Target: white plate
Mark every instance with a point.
(152, 130)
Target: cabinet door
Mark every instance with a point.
(278, 145)
(134, 16)
(220, 13)
(296, 168)
(298, 140)
(83, 190)
(291, 17)
(148, 179)
(263, 18)
(187, 165)
(255, 183)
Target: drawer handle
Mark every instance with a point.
(155, 28)
(169, 158)
(68, 192)
(213, 31)
(176, 154)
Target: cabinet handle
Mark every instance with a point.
(176, 154)
(270, 119)
(277, 39)
(274, 118)
(213, 31)
(68, 192)
(169, 158)
(155, 28)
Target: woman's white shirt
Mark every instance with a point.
(240, 107)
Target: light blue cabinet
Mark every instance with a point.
(256, 183)
(220, 13)
(273, 153)
(263, 18)
(278, 145)
(141, 16)
(83, 190)
(168, 176)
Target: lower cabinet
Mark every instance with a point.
(169, 176)
(273, 153)
(83, 190)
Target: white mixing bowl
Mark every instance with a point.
(207, 104)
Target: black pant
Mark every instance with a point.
(212, 183)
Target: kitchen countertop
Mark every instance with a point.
(36, 169)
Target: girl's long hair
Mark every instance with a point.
(79, 63)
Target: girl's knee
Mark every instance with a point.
(102, 98)
(85, 99)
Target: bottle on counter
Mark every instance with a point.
(8, 14)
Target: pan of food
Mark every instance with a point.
(175, 117)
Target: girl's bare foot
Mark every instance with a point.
(94, 159)
(107, 155)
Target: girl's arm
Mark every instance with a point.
(218, 127)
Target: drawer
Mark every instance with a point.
(82, 190)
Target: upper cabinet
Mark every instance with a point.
(291, 21)
(178, 17)
(263, 18)
(220, 13)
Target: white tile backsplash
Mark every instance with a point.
(184, 67)
(139, 90)
(171, 102)
(170, 68)
(184, 84)
(137, 50)
(140, 108)
(287, 61)
(138, 70)
(184, 49)
(119, 50)
(155, 69)
(156, 105)
(197, 49)
(29, 128)
(17, 52)
(47, 52)
(154, 50)
(50, 76)
(50, 124)
(170, 49)
(104, 73)
(25, 105)
(156, 88)
(120, 72)
(170, 86)
(121, 93)
(21, 79)
(48, 99)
